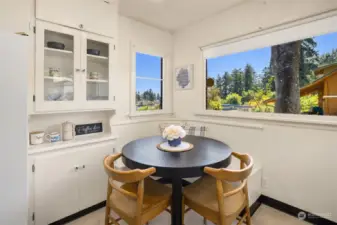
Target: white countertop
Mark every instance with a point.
(78, 141)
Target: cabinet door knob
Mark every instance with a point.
(83, 70)
(78, 70)
(81, 26)
(76, 168)
(83, 166)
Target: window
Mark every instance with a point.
(149, 82)
(297, 77)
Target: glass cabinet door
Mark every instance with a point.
(58, 67)
(97, 58)
(57, 63)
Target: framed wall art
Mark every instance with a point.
(184, 77)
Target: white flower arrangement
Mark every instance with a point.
(174, 132)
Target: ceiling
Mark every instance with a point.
(172, 15)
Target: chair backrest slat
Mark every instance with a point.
(233, 175)
(130, 176)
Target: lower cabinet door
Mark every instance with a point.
(56, 190)
(92, 177)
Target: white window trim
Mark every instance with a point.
(165, 77)
(321, 24)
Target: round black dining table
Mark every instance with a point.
(143, 153)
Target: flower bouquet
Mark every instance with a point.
(174, 134)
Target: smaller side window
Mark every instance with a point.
(149, 82)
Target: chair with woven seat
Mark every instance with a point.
(222, 194)
(133, 195)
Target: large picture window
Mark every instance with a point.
(149, 82)
(298, 77)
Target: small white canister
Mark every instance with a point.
(36, 137)
(68, 131)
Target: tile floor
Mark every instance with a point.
(263, 216)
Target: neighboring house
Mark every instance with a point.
(325, 86)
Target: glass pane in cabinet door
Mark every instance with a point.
(97, 71)
(58, 67)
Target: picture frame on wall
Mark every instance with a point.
(184, 77)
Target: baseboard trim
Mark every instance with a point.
(294, 211)
(255, 206)
(79, 214)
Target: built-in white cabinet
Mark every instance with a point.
(67, 77)
(97, 16)
(68, 181)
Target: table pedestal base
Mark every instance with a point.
(176, 206)
(164, 180)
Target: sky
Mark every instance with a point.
(150, 66)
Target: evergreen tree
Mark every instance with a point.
(226, 85)
(219, 83)
(248, 77)
(149, 95)
(152, 95)
(158, 97)
(145, 95)
(309, 60)
(268, 80)
(238, 84)
(328, 58)
(138, 97)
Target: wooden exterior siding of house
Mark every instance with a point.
(326, 88)
(330, 89)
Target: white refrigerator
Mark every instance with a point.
(13, 128)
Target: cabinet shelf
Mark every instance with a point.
(58, 79)
(78, 141)
(58, 50)
(98, 58)
(97, 81)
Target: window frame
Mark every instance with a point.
(322, 25)
(133, 89)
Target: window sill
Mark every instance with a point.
(150, 113)
(327, 121)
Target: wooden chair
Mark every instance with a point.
(138, 199)
(216, 197)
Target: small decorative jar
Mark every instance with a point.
(94, 75)
(174, 134)
(54, 72)
(36, 137)
(53, 137)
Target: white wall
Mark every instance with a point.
(13, 135)
(144, 36)
(297, 159)
(16, 15)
